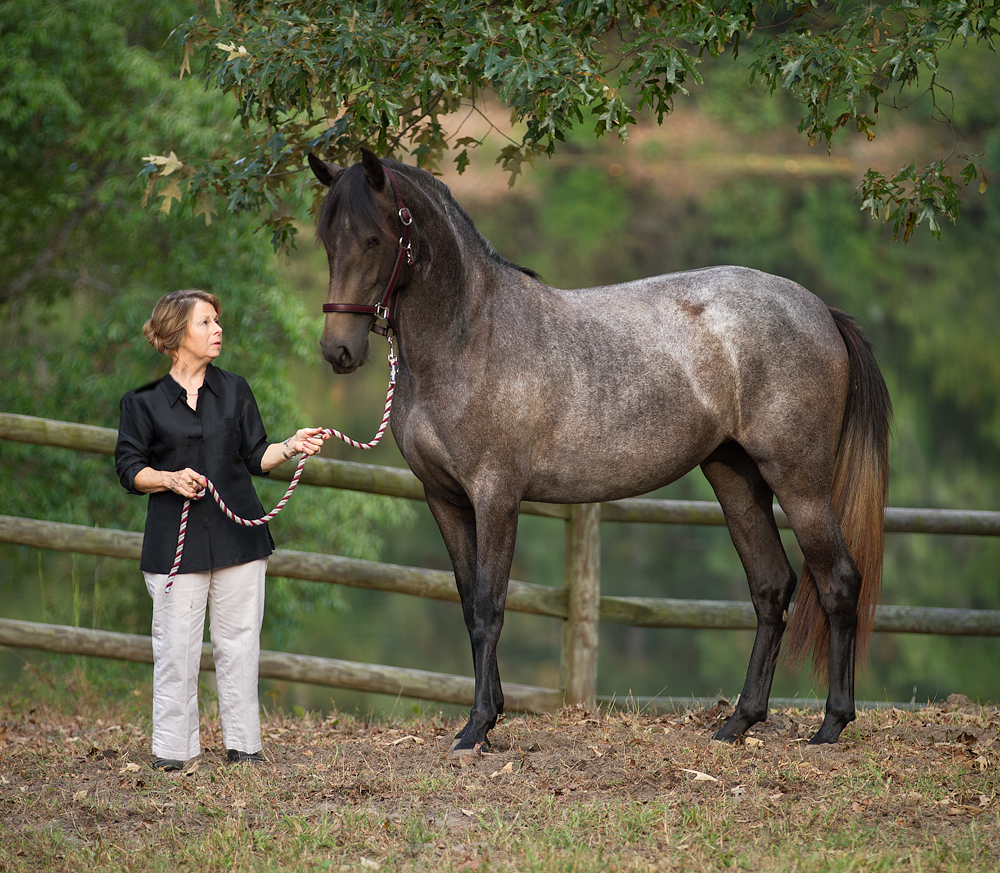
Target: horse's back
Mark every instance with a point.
(727, 300)
(723, 328)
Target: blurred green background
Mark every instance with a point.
(87, 90)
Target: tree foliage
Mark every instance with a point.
(314, 76)
(84, 88)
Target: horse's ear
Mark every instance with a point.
(326, 173)
(373, 169)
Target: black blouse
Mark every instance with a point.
(223, 439)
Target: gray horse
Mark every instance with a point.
(511, 390)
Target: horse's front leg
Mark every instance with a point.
(481, 547)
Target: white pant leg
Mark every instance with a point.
(178, 630)
(236, 611)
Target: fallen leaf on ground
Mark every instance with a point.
(961, 809)
(699, 776)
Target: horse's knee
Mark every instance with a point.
(772, 597)
(485, 633)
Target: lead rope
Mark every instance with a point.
(257, 522)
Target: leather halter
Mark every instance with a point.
(385, 309)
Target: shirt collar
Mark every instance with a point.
(213, 380)
(175, 391)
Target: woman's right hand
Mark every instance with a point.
(185, 482)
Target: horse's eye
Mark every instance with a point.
(373, 242)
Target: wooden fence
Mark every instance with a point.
(578, 604)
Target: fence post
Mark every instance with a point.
(583, 587)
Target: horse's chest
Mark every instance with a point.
(436, 460)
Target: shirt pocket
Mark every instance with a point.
(223, 438)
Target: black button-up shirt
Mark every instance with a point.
(223, 439)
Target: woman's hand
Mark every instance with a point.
(185, 482)
(308, 440)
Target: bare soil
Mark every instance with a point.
(610, 790)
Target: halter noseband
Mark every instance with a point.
(385, 309)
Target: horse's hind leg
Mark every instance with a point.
(746, 502)
(838, 583)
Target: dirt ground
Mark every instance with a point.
(926, 776)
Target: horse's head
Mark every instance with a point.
(359, 226)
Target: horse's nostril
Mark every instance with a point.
(338, 355)
(340, 358)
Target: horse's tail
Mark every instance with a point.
(860, 484)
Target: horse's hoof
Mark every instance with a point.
(728, 734)
(475, 751)
(829, 732)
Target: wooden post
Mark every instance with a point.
(583, 590)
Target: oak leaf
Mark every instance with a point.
(169, 193)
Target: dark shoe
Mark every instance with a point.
(168, 764)
(235, 756)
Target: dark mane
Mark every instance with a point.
(351, 197)
(445, 193)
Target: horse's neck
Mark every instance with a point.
(442, 307)
(440, 315)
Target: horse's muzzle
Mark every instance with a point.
(342, 358)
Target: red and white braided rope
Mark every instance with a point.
(257, 522)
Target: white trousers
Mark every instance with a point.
(235, 599)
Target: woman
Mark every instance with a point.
(198, 423)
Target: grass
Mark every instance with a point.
(573, 791)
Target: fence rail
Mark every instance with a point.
(373, 678)
(651, 612)
(578, 603)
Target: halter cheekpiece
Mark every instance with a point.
(385, 309)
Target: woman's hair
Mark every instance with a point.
(165, 329)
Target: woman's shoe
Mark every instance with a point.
(235, 756)
(168, 764)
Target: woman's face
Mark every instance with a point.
(203, 337)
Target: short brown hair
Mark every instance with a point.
(165, 329)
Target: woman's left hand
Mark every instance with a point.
(308, 440)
